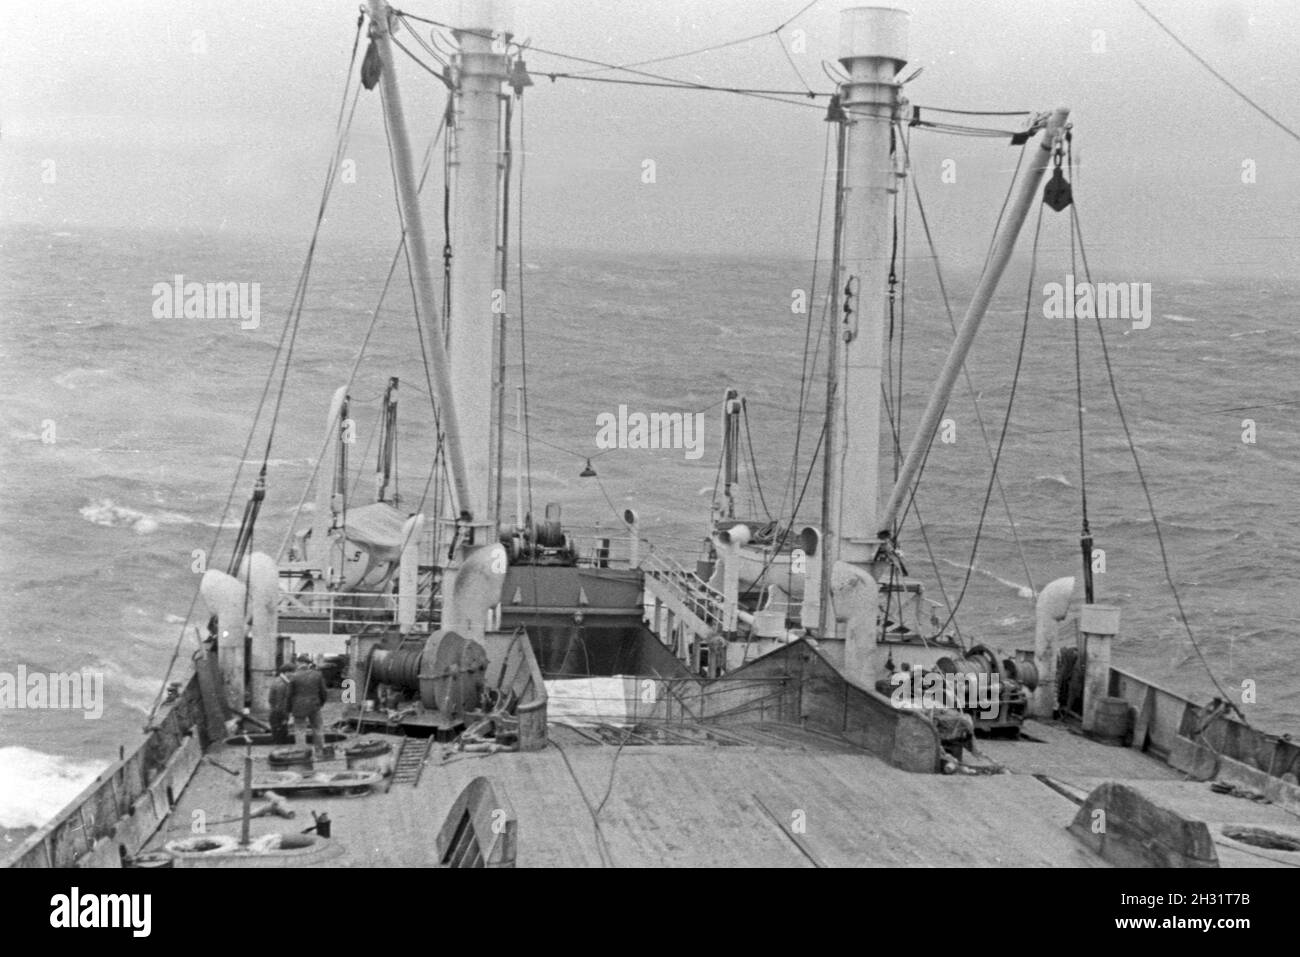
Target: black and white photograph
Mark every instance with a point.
(694, 434)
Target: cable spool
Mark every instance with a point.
(978, 661)
(960, 666)
(549, 534)
(986, 659)
(1022, 670)
(452, 673)
(400, 668)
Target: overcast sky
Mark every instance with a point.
(219, 117)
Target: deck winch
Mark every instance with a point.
(543, 542)
(445, 670)
(995, 693)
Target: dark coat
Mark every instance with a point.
(279, 700)
(306, 692)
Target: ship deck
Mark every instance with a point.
(760, 794)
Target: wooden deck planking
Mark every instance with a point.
(704, 805)
(1069, 756)
(878, 815)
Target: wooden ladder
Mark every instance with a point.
(410, 760)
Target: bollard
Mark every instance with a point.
(1098, 624)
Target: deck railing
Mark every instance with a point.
(345, 609)
(596, 545)
(698, 597)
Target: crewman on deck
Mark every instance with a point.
(279, 701)
(306, 697)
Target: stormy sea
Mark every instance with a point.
(124, 431)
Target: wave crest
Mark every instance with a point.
(106, 512)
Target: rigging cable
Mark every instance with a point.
(300, 293)
(341, 130)
(834, 77)
(523, 338)
(1006, 421)
(1146, 491)
(893, 412)
(708, 49)
(505, 166)
(929, 551)
(653, 79)
(441, 59)
(939, 109)
(717, 481)
(1006, 201)
(398, 254)
(887, 386)
(954, 129)
(902, 293)
(405, 251)
(1219, 76)
(805, 382)
(361, 469)
(420, 63)
(785, 532)
(1085, 532)
(832, 346)
(602, 845)
(789, 59)
(523, 374)
(753, 465)
(775, 96)
(970, 385)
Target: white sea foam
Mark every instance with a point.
(71, 378)
(1024, 591)
(105, 512)
(1054, 479)
(1173, 317)
(34, 786)
(134, 691)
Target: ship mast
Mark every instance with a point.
(476, 302)
(859, 533)
(474, 566)
(873, 48)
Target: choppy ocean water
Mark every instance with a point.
(149, 418)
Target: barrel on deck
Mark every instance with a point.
(1114, 720)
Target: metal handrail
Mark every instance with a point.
(705, 600)
(350, 608)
